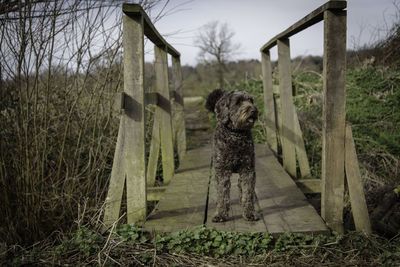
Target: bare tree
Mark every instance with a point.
(215, 42)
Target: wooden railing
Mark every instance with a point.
(338, 149)
(129, 166)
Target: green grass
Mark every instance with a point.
(372, 107)
(132, 245)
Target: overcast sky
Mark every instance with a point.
(257, 21)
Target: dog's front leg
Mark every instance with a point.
(247, 183)
(223, 183)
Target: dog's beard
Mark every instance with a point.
(245, 117)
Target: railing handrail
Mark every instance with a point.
(338, 150)
(131, 166)
(312, 18)
(149, 30)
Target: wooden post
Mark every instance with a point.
(179, 133)
(164, 106)
(278, 109)
(288, 137)
(269, 105)
(356, 191)
(129, 159)
(301, 150)
(333, 131)
(154, 152)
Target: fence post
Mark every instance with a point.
(356, 191)
(179, 133)
(129, 159)
(301, 153)
(269, 105)
(333, 131)
(164, 106)
(154, 152)
(285, 85)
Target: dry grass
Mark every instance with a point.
(351, 249)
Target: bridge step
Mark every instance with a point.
(280, 203)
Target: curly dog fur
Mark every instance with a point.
(233, 149)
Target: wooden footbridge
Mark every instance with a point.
(187, 198)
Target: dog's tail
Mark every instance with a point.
(213, 98)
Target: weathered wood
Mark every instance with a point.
(154, 152)
(120, 100)
(149, 30)
(151, 98)
(309, 185)
(356, 191)
(183, 205)
(179, 132)
(269, 105)
(135, 164)
(155, 193)
(309, 20)
(301, 153)
(288, 137)
(283, 205)
(117, 181)
(164, 107)
(333, 131)
(131, 135)
(278, 110)
(280, 204)
(236, 223)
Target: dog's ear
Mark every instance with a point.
(213, 98)
(222, 108)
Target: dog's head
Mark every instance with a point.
(234, 109)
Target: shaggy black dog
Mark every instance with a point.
(233, 149)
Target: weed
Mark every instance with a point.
(130, 244)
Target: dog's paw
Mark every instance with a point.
(219, 218)
(251, 217)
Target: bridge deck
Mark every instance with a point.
(188, 200)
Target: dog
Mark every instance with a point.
(233, 149)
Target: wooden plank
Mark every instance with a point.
(309, 20)
(151, 98)
(278, 110)
(117, 182)
(129, 158)
(301, 153)
(154, 152)
(134, 146)
(149, 30)
(309, 185)
(120, 101)
(164, 107)
(356, 191)
(155, 193)
(235, 223)
(283, 205)
(178, 118)
(288, 137)
(269, 106)
(333, 130)
(183, 204)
